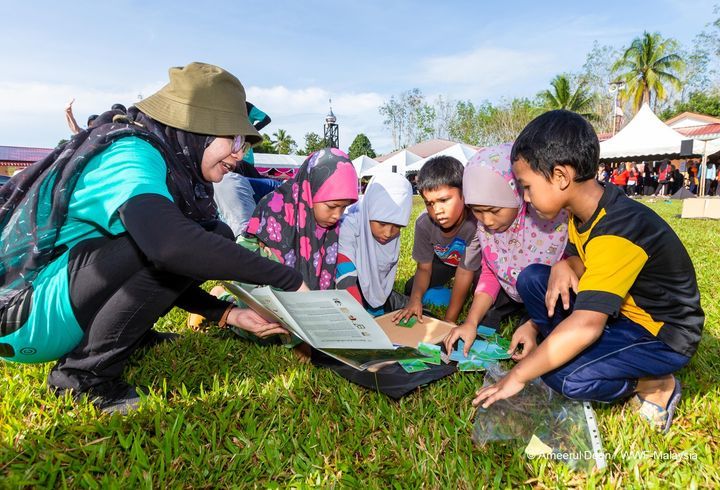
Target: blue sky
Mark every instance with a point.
(292, 56)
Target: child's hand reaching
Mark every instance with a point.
(505, 388)
(562, 280)
(467, 332)
(412, 308)
(526, 334)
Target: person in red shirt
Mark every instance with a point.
(621, 177)
(632, 180)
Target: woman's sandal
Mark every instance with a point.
(659, 417)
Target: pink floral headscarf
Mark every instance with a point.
(488, 181)
(285, 223)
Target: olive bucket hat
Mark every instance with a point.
(204, 99)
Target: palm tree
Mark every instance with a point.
(647, 67)
(283, 142)
(562, 96)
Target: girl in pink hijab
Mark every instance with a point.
(512, 236)
(299, 221)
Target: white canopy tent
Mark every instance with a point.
(645, 136)
(400, 161)
(364, 163)
(648, 137)
(460, 151)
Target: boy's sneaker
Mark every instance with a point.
(658, 417)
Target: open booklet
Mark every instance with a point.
(331, 321)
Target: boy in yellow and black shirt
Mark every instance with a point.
(629, 313)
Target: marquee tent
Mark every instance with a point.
(363, 163)
(645, 137)
(400, 161)
(460, 151)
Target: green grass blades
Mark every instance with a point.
(225, 413)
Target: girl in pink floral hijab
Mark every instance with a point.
(298, 222)
(512, 236)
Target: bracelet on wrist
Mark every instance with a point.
(223, 320)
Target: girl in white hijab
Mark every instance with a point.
(370, 242)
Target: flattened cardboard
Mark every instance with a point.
(431, 331)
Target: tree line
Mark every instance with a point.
(651, 69)
(659, 71)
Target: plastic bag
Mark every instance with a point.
(564, 427)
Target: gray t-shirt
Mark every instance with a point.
(461, 249)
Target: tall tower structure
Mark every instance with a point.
(332, 135)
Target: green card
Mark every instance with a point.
(413, 365)
(431, 351)
(473, 365)
(496, 339)
(407, 323)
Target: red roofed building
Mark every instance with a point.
(694, 125)
(13, 158)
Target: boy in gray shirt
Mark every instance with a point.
(446, 243)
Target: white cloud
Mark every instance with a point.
(300, 111)
(33, 113)
(485, 72)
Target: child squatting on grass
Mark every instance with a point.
(370, 243)
(633, 317)
(446, 243)
(512, 236)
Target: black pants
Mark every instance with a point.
(440, 275)
(503, 307)
(117, 296)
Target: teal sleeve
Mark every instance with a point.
(256, 115)
(128, 168)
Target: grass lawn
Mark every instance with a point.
(225, 413)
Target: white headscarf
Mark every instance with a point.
(388, 198)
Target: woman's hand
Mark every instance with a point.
(251, 322)
(412, 308)
(507, 387)
(562, 280)
(303, 288)
(526, 334)
(467, 332)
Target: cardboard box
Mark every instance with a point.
(701, 207)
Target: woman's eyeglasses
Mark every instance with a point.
(239, 145)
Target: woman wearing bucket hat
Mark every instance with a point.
(108, 232)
